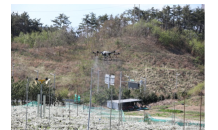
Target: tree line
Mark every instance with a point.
(19, 89)
(184, 18)
(180, 27)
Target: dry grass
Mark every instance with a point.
(143, 55)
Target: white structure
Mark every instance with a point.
(109, 77)
(115, 103)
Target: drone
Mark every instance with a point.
(106, 54)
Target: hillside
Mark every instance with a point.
(140, 57)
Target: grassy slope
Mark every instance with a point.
(140, 57)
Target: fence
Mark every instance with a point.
(70, 116)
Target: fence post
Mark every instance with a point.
(44, 104)
(26, 100)
(38, 102)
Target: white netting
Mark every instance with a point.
(99, 119)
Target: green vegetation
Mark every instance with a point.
(161, 107)
(147, 39)
(146, 118)
(132, 113)
(172, 111)
(195, 91)
(18, 91)
(169, 26)
(161, 114)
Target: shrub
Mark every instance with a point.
(63, 93)
(196, 89)
(44, 38)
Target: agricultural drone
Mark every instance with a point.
(106, 54)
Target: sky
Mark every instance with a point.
(75, 12)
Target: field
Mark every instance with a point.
(65, 117)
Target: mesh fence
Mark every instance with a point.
(70, 116)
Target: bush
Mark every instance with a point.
(63, 93)
(197, 49)
(195, 91)
(44, 38)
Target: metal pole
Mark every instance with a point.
(11, 95)
(49, 103)
(90, 101)
(26, 101)
(54, 84)
(144, 86)
(184, 114)
(111, 102)
(175, 97)
(38, 101)
(53, 92)
(41, 101)
(120, 98)
(174, 110)
(11, 83)
(98, 82)
(77, 98)
(200, 110)
(37, 96)
(44, 104)
(69, 107)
